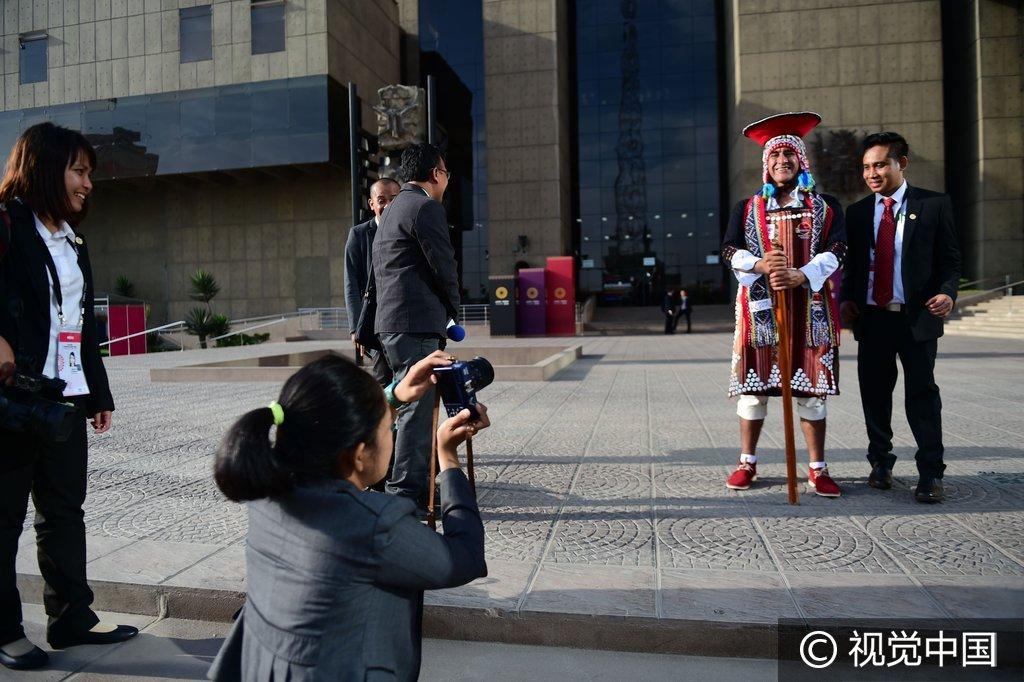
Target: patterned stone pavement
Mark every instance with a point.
(602, 492)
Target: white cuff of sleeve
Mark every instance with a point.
(743, 263)
(744, 260)
(819, 269)
(745, 279)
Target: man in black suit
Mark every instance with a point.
(899, 285)
(417, 294)
(358, 259)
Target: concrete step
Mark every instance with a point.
(991, 322)
(477, 621)
(1004, 306)
(182, 649)
(1017, 336)
(979, 324)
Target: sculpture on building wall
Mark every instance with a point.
(838, 163)
(401, 116)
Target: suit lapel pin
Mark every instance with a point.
(78, 240)
(913, 216)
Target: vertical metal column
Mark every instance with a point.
(431, 110)
(354, 140)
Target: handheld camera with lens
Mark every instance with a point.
(459, 382)
(32, 405)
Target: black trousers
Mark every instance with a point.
(381, 369)
(55, 475)
(884, 336)
(410, 468)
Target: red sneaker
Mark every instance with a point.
(821, 483)
(745, 474)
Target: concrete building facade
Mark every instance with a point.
(270, 221)
(605, 130)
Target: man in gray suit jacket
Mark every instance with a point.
(358, 259)
(417, 293)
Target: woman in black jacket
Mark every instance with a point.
(336, 572)
(46, 313)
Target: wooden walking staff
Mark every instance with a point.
(786, 370)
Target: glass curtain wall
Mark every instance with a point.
(648, 168)
(452, 50)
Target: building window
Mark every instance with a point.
(267, 26)
(32, 58)
(196, 38)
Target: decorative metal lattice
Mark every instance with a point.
(631, 181)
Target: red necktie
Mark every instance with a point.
(885, 254)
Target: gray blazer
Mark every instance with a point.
(336, 578)
(357, 268)
(414, 266)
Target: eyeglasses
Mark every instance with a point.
(447, 173)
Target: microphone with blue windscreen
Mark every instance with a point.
(456, 332)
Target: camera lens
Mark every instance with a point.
(481, 373)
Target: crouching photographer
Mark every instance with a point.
(336, 572)
(46, 313)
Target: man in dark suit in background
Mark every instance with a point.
(358, 255)
(899, 284)
(417, 293)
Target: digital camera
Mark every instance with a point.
(31, 405)
(459, 382)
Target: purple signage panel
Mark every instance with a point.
(532, 303)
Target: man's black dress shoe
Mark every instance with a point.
(880, 477)
(36, 658)
(119, 634)
(929, 492)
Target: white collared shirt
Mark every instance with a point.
(817, 270)
(899, 212)
(72, 283)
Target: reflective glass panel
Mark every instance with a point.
(267, 28)
(32, 60)
(647, 148)
(196, 33)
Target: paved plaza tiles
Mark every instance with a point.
(603, 496)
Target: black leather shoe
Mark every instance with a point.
(880, 477)
(120, 634)
(929, 491)
(36, 658)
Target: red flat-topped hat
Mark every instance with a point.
(796, 123)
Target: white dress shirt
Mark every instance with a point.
(899, 212)
(72, 283)
(817, 270)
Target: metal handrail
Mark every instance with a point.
(255, 326)
(999, 278)
(259, 318)
(165, 327)
(985, 294)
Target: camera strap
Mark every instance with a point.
(55, 281)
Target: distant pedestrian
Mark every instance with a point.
(670, 307)
(685, 308)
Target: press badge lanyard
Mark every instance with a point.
(69, 339)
